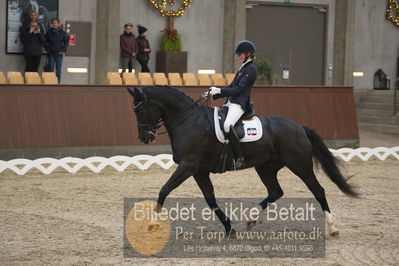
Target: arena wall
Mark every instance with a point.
(41, 117)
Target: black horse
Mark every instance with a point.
(196, 149)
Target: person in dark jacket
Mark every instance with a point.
(129, 48)
(56, 46)
(144, 49)
(238, 95)
(33, 39)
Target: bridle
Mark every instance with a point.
(155, 126)
(152, 127)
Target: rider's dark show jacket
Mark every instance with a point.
(239, 91)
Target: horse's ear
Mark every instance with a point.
(131, 91)
(137, 94)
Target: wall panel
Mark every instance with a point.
(79, 116)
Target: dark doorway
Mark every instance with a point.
(291, 38)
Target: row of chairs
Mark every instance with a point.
(48, 78)
(173, 79)
(114, 78)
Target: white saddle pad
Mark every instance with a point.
(252, 128)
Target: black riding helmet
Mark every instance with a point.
(245, 46)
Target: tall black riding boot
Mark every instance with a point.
(235, 143)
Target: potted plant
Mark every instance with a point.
(265, 73)
(171, 58)
(171, 40)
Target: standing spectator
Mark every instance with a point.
(56, 45)
(144, 49)
(129, 48)
(33, 40)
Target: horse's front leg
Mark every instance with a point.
(205, 184)
(183, 171)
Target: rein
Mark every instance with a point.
(154, 127)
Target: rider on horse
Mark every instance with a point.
(238, 95)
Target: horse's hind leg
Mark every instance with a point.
(302, 166)
(205, 184)
(268, 174)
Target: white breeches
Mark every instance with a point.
(235, 113)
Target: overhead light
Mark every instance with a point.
(358, 74)
(206, 71)
(77, 70)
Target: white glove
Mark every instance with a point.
(212, 91)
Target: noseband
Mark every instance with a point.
(153, 127)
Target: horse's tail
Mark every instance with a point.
(328, 162)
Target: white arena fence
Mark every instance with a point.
(144, 162)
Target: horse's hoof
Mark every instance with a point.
(153, 227)
(158, 208)
(250, 225)
(334, 233)
(232, 234)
